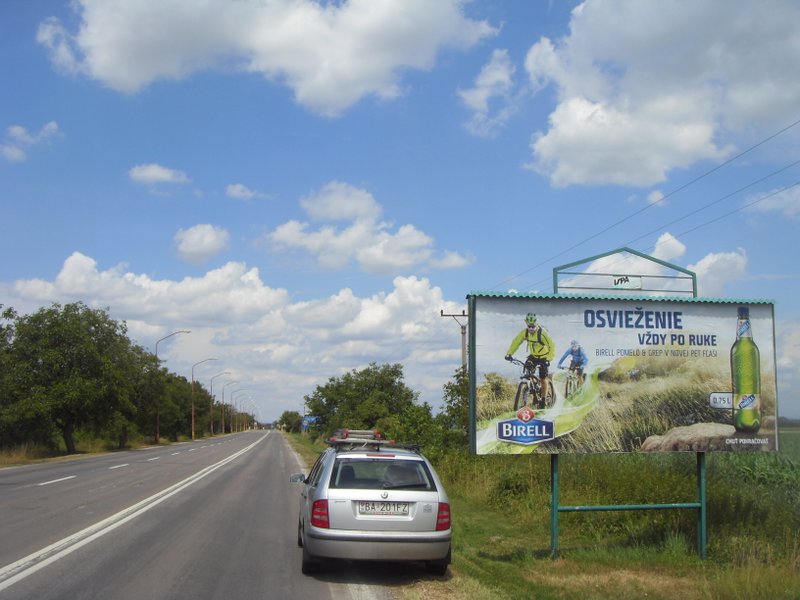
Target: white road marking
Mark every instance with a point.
(19, 570)
(118, 466)
(56, 480)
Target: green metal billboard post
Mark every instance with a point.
(637, 281)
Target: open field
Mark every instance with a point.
(790, 443)
(501, 516)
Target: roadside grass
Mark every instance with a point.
(501, 522)
(24, 454)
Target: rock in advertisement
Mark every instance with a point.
(555, 374)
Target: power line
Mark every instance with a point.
(717, 201)
(741, 208)
(650, 205)
(715, 219)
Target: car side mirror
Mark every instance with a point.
(297, 478)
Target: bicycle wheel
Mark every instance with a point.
(549, 394)
(569, 386)
(521, 399)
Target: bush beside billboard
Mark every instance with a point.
(571, 374)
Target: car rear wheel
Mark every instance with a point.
(309, 565)
(438, 567)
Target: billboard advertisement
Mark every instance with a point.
(583, 374)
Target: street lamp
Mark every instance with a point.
(193, 366)
(255, 411)
(158, 408)
(233, 402)
(169, 336)
(223, 404)
(211, 409)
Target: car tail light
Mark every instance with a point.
(443, 517)
(319, 514)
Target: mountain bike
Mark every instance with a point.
(573, 381)
(532, 390)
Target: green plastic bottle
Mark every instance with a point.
(745, 376)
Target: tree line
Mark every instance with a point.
(377, 398)
(70, 372)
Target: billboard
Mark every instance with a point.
(590, 374)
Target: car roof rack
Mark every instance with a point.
(349, 439)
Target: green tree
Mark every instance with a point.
(149, 388)
(176, 406)
(290, 421)
(360, 399)
(72, 368)
(20, 421)
(136, 417)
(454, 418)
(415, 425)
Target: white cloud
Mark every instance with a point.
(635, 102)
(593, 143)
(787, 344)
(451, 260)
(200, 243)
(656, 197)
(19, 140)
(277, 348)
(52, 35)
(393, 252)
(222, 295)
(338, 201)
(241, 191)
(153, 173)
(493, 86)
(668, 248)
(789, 348)
(785, 202)
(367, 241)
(717, 270)
(330, 54)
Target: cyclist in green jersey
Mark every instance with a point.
(541, 349)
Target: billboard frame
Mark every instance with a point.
(700, 505)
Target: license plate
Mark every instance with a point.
(366, 507)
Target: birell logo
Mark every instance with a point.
(525, 429)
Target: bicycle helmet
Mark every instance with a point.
(530, 319)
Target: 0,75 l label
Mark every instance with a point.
(720, 400)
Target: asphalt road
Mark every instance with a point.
(202, 520)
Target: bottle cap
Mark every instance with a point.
(744, 312)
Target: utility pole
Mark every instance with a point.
(463, 333)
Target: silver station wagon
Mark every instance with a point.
(371, 499)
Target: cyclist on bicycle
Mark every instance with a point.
(579, 359)
(541, 349)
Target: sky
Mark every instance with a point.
(306, 186)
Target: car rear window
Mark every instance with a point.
(381, 474)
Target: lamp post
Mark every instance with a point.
(158, 408)
(211, 409)
(193, 366)
(255, 411)
(233, 402)
(223, 404)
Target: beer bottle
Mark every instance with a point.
(745, 376)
